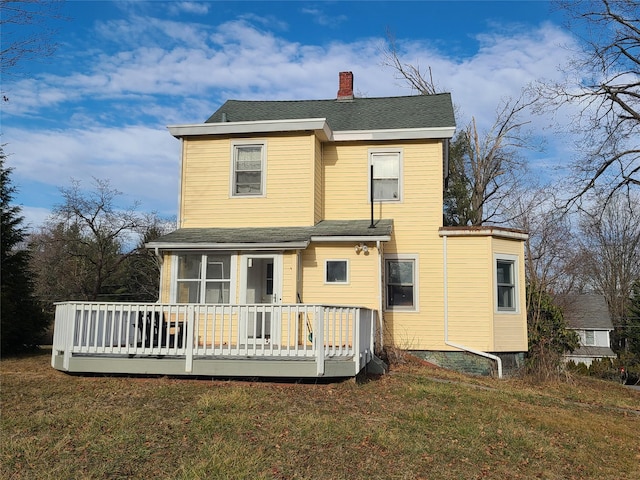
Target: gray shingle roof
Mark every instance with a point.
(587, 312)
(326, 228)
(417, 111)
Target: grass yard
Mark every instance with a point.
(417, 422)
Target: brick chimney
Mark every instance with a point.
(345, 91)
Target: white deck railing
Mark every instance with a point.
(214, 331)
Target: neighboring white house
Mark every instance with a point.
(589, 317)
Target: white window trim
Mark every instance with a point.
(232, 169)
(416, 283)
(400, 153)
(173, 287)
(346, 282)
(514, 259)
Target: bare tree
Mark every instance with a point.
(493, 164)
(610, 251)
(27, 32)
(603, 82)
(549, 256)
(407, 72)
(485, 165)
(552, 246)
(87, 240)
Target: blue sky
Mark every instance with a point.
(125, 70)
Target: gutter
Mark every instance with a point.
(446, 318)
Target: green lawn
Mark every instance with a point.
(416, 422)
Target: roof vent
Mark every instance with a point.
(224, 116)
(345, 91)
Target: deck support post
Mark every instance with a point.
(318, 338)
(189, 340)
(356, 340)
(68, 333)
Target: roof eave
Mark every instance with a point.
(394, 134)
(351, 238)
(483, 231)
(300, 245)
(317, 125)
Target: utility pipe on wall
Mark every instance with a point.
(380, 292)
(446, 317)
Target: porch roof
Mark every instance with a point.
(274, 238)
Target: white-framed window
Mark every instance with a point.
(248, 167)
(506, 275)
(589, 338)
(203, 278)
(387, 175)
(401, 282)
(336, 271)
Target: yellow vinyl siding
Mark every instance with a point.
(289, 277)
(165, 288)
(346, 182)
(206, 200)
(470, 291)
(318, 206)
(416, 219)
(308, 181)
(362, 288)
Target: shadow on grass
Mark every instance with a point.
(28, 352)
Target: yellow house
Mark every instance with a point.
(313, 230)
(339, 202)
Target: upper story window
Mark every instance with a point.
(387, 175)
(248, 169)
(203, 278)
(506, 283)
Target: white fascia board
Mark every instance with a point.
(355, 238)
(317, 125)
(397, 134)
(485, 232)
(229, 246)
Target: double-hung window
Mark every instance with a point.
(506, 284)
(387, 178)
(248, 169)
(202, 278)
(401, 283)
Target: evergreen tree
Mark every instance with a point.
(632, 324)
(22, 319)
(549, 337)
(457, 195)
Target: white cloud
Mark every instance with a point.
(140, 162)
(326, 20)
(180, 72)
(199, 8)
(34, 217)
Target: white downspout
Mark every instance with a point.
(380, 286)
(446, 317)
